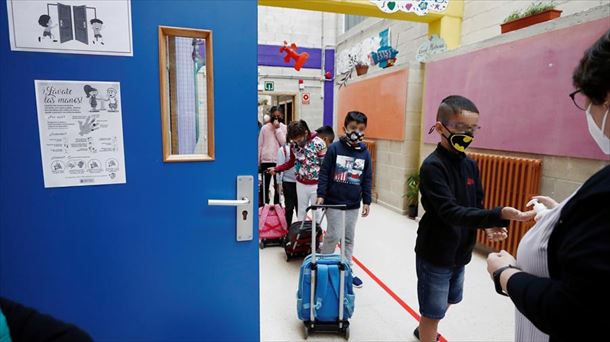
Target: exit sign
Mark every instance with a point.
(269, 86)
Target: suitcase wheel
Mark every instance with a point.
(346, 336)
(306, 332)
(261, 244)
(287, 258)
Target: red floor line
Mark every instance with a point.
(390, 292)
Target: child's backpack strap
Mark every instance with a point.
(280, 211)
(264, 216)
(322, 283)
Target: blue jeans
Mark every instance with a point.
(437, 287)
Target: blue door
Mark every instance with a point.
(148, 260)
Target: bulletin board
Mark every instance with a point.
(384, 101)
(521, 90)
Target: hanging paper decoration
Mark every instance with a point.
(385, 55)
(291, 53)
(434, 45)
(419, 7)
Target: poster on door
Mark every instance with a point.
(99, 27)
(81, 132)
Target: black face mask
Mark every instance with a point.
(300, 144)
(459, 141)
(354, 136)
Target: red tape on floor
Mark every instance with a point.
(390, 292)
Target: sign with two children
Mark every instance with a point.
(82, 27)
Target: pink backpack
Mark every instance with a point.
(272, 222)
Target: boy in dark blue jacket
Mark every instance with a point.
(346, 178)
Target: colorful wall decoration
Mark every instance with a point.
(419, 7)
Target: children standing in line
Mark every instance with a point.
(346, 178)
(452, 196)
(307, 152)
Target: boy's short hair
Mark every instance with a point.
(359, 117)
(454, 105)
(296, 129)
(326, 131)
(96, 21)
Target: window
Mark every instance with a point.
(187, 112)
(351, 21)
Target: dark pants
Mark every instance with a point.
(290, 197)
(266, 181)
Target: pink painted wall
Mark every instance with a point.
(521, 89)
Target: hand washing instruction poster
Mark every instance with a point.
(81, 133)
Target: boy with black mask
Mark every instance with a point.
(346, 178)
(452, 196)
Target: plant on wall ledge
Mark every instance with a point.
(358, 61)
(412, 194)
(536, 13)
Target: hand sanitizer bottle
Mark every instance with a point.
(540, 208)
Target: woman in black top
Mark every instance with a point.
(573, 303)
(26, 324)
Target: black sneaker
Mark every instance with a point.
(416, 334)
(357, 282)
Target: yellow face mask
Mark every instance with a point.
(459, 141)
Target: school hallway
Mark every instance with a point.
(384, 245)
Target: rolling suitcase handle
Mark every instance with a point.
(313, 209)
(265, 193)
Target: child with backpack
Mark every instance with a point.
(346, 178)
(307, 151)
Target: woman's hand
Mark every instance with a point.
(547, 201)
(320, 201)
(495, 261)
(271, 171)
(498, 260)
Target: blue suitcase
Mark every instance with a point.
(332, 295)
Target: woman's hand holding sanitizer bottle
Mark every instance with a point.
(542, 204)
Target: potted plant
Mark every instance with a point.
(412, 194)
(537, 12)
(360, 59)
(361, 69)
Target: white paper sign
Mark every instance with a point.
(101, 27)
(81, 132)
(434, 45)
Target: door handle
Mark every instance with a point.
(243, 207)
(228, 203)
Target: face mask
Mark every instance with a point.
(459, 141)
(354, 136)
(598, 133)
(300, 143)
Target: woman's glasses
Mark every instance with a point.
(579, 99)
